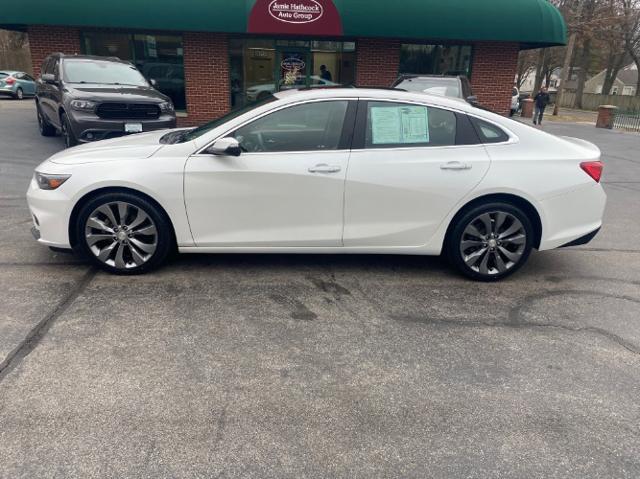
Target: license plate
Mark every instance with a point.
(133, 127)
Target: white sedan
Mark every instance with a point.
(326, 171)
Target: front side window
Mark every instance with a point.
(394, 125)
(309, 127)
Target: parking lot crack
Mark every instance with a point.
(33, 338)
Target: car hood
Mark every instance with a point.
(133, 147)
(119, 93)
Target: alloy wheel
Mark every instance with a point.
(493, 243)
(121, 235)
(19, 94)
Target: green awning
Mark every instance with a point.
(532, 23)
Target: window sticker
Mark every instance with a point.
(399, 125)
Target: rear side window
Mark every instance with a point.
(488, 132)
(395, 125)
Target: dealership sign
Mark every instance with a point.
(301, 17)
(301, 11)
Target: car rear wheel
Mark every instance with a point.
(123, 233)
(67, 133)
(19, 94)
(490, 242)
(43, 125)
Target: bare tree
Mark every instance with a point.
(631, 26)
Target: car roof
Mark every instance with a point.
(91, 57)
(292, 96)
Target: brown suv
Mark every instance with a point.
(89, 98)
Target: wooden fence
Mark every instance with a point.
(591, 101)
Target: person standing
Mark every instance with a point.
(325, 74)
(541, 101)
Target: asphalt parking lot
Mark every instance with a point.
(319, 366)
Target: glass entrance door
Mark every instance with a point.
(293, 68)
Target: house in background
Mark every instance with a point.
(625, 83)
(529, 80)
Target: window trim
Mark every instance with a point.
(347, 135)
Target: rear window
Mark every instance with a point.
(393, 125)
(3, 75)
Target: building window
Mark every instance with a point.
(435, 59)
(260, 67)
(158, 57)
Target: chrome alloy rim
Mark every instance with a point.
(493, 243)
(121, 235)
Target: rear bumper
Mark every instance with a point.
(572, 217)
(582, 240)
(7, 91)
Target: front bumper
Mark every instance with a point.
(50, 211)
(87, 127)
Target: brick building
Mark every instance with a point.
(211, 56)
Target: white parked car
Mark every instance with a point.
(515, 101)
(326, 171)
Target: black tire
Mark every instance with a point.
(45, 128)
(163, 242)
(19, 95)
(68, 136)
(499, 251)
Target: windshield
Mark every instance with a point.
(435, 86)
(102, 72)
(201, 130)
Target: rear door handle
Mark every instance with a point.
(455, 165)
(324, 168)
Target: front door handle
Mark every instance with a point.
(455, 165)
(324, 168)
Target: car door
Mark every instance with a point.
(29, 84)
(285, 189)
(46, 93)
(410, 165)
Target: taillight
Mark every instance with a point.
(9, 80)
(593, 169)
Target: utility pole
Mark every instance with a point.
(567, 62)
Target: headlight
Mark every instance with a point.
(50, 182)
(166, 107)
(83, 105)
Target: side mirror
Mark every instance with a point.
(49, 78)
(472, 99)
(153, 82)
(225, 147)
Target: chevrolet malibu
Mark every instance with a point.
(326, 171)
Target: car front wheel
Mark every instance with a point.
(123, 233)
(490, 242)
